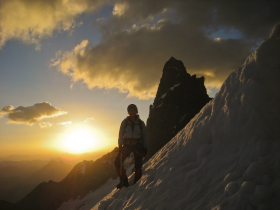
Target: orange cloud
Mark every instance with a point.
(45, 124)
(66, 124)
(31, 114)
(32, 20)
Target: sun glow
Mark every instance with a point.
(80, 138)
(79, 141)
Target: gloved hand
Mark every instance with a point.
(144, 151)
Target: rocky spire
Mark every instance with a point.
(179, 98)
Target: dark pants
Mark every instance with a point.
(128, 149)
(137, 151)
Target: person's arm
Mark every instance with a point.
(121, 132)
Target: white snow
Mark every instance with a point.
(183, 118)
(172, 88)
(91, 198)
(162, 97)
(159, 105)
(94, 197)
(227, 157)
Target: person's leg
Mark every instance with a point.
(120, 170)
(138, 162)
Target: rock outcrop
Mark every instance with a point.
(179, 98)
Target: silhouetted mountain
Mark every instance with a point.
(179, 98)
(84, 177)
(25, 168)
(13, 173)
(54, 170)
(25, 157)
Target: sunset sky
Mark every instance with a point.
(70, 68)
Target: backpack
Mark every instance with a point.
(140, 123)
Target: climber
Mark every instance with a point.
(132, 138)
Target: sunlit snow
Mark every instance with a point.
(227, 157)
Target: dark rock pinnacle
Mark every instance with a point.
(179, 98)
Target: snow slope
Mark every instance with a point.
(92, 198)
(227, 157)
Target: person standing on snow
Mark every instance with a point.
(132, 138)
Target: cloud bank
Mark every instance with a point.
(31, 114)
(132, 61)
(31, 20)
(142, 35)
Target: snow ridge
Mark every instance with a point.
(227, 157)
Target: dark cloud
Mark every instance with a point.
(31, 20)
(252, 19)
(142, 35)
(132, 60)
(31, 114)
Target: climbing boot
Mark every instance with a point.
(124, 183)
(138, 174)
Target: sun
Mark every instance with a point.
(79, 141)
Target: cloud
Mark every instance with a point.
(31, 21)
(31, 114)
(120, 9)
(6, 110)
(142, 35)
(66, 124)
(252, 20)
(45, 124)
(88, 120)
(132, 60)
